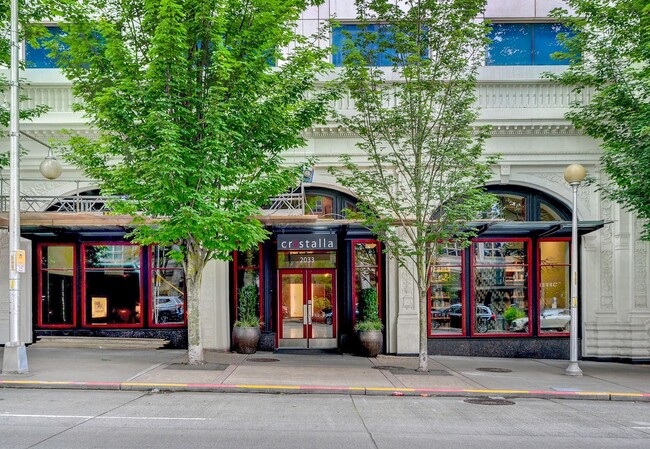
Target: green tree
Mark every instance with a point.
(610, 56)
(424, 168)
(194, 102)
(29, 16)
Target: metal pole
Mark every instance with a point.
(15, 355)
(573, 369)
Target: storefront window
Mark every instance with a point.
(446, 298)
(111, 279)
(501, 294)
(366, 272)
(248, 275)
(554, 284)
(57, 286)
(168, 303)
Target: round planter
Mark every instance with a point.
(245, 339)
(371, 342)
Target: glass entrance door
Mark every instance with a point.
(307, 309)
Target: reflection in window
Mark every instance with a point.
(167, 288)
(500, 285)
(548, 213)
(525, 44)
(554, 285)
(37, 57)
(320, 205)
(372, 39)
(445, 301)
(56, 295)
(509, 207)
(112, 285)
(366, 272)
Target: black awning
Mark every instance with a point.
(535, 229)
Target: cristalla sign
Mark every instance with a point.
(302, 242)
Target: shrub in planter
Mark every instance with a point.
(369, 327)
(246, 333)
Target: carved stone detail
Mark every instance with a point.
(407, 292)
(606, 259)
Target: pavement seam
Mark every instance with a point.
(145, 371)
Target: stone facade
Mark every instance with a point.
(536, 143)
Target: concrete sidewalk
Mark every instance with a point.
(286, 372)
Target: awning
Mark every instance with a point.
(536, 229)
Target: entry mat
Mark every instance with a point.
(205, 366)
(401, 371)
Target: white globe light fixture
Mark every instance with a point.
(574, 174)
(50, 168)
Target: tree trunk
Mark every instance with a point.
(423, 362)
(193, 277)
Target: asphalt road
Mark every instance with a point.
(66, 419)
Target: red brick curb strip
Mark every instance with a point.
(304, 389)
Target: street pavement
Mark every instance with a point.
(321, 372)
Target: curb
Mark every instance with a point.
(307, 389)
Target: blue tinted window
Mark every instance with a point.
(525, 44)
(545, 43)
(512, 44)
(37, 58)
(345, 33)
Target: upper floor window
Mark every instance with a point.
(373, 35)
(525, 44)
(37, 57)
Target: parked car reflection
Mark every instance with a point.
(169, 309)
(452, 317)
(550, 319)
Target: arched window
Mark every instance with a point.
(513, 278)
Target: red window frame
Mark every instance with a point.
(463, 332)
(237, 268)
(150, 304)
(83, 289)
(354, 277)
(539, 289)
(40, 287)
(472, 301)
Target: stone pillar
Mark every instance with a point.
(26, 334)
(215, 306)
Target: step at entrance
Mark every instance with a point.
(99, 342)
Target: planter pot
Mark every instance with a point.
(370, 342)
(245, 339)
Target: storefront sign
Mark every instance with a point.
(302, 242)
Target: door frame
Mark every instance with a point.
(307, 341)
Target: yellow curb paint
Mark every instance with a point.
(498, 391)
(281, 387)
(632, 395)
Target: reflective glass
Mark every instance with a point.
(500, 286)
(554, 285)
(57, 285)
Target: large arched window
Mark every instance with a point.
(513, 277)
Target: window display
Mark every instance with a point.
(112, 291)
(57, 286)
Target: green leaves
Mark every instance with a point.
(193, 119)
(615, 41)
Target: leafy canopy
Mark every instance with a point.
(195, 101)
(422, 175)
(611, 57)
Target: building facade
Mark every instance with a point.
(505, 295)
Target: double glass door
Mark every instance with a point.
(307, 308)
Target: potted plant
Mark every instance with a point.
(369, 327)
(512, 313)
(246, 332)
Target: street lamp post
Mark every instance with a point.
(15, 355)
(574, 174)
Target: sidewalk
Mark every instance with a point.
(267, 372)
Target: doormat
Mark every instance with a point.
(205, 366)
